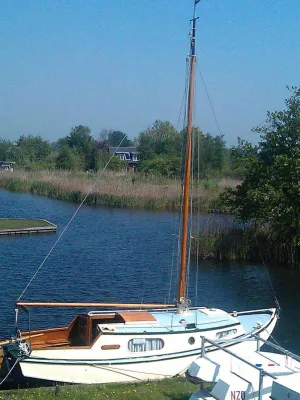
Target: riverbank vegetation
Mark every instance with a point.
(245, 243)
(67, 168)
(267, 200)
(114, 189)
(258, 184)
(175, 388)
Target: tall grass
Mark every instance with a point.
(248, 243)
(114, 189)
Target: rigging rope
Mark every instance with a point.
(10, 371)
(269, 278)
(183, 106)
(197, 241)
(219, 130)
(220, 133)
(71, 219)
(191, 195)
(209, 100)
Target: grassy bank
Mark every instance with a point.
(6, 223)
(114, 189)
(245, 243)
(176, 389)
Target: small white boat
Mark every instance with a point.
(103, 347)
(244, 374)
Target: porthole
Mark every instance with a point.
(191, 340)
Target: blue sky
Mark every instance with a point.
(121, 64)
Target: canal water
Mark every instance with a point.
(119, 255)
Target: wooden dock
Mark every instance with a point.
(18, 226)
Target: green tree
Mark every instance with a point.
(145, 147)
(68, 158)
(160, 149)
(4, 146)
(211, 152)
(269, 194)
(163, 165)
(80, 140)
(114, 139)
(17, 154)
(28, 150)
(35, 147)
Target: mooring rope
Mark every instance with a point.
(220, 133)
(269, 278)
(272, 286)
(10, 371)
(71, 219)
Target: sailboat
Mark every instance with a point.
(133, 342)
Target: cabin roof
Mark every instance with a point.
(123, 150)
(7, 162)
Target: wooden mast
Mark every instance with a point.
(188, 162)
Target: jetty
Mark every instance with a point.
(17, 226)
(246, 373)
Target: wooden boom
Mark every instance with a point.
(102, 305)
(5, 342)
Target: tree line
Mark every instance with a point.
(160, 148)
(269, 194)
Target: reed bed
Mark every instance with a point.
(244, 242)
(114, 189)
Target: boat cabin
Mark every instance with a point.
(85, 329)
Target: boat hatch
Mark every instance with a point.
(137, 317)
(212, 311)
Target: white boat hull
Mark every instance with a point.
(98, 374)
(88, 366)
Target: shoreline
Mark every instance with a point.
(240, 243)
(114, 189)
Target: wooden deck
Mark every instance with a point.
(19, 226)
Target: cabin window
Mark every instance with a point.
(221, 335)
(136, 345)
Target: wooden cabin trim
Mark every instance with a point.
(82, 333)
(110, 347)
